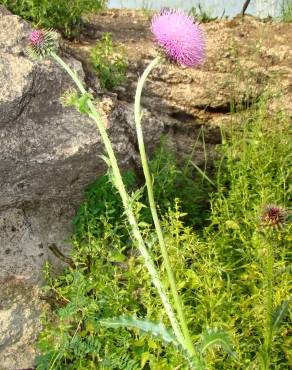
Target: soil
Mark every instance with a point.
(259, 50)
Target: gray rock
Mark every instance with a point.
(19, 322)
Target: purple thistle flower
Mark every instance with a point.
(274, 217)
(181, 39)
(42, 43)
(36, 37)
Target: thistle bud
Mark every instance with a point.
(42, 43)
(274, 217)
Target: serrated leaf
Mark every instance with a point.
(217, 338)
(143, 325)
(81, 104)
(279, 314)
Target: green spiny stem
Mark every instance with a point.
(127, 204)
(170, 274)
(269, 302)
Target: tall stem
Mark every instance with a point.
(127, 204)
(170, 274)
(269, 302)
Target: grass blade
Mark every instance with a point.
(202, 173)
(279, 314)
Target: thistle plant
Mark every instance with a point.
(272, 221)
(42, 43)
(274, 218)
(180, 41)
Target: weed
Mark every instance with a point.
(109, 62)
(201, 15)
(221, 274)
(286, 15)
(252, 173)
(60, 14)
(170, 182)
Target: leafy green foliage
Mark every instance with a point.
(170, 182)
(216, 338)
(287, 11)
(201, 15)
(108, 281)
(64, 15)
(279, 314)
(109, 62)
(253, 172)
(102, 200)
(219, 270)
(71, 98)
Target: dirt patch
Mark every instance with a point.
(245, 58)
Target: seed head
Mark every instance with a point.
(181, 39)
(274, 217)
(42, 43)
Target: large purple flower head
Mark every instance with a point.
(181, 39)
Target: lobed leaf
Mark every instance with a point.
(219, 338)
(143, 325)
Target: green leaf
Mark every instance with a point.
(69, 98)
(144, 359)
(81, 103)
(143, 225)
(219, 338)
(106, 160)
(279, 314)
(143, 325)
(202, 173)
(116, 256)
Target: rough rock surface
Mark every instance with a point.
(20, 308)
(48, 154)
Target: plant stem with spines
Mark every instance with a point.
(269, 285)
(127, 204)
(170, 274)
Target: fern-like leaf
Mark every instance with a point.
(143, 325)
(216, 338)
(279, 314)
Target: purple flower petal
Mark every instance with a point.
(36, 37)
(178, 35)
